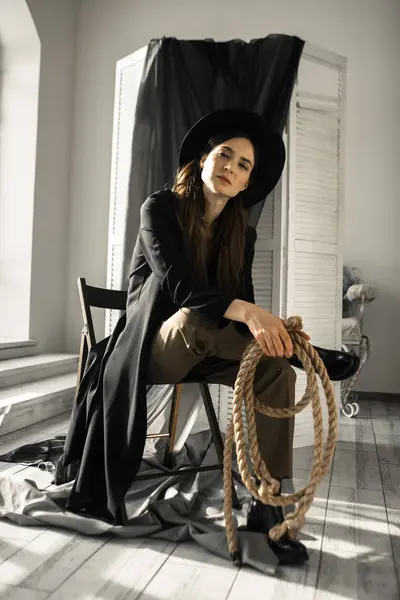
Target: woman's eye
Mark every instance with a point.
(225, 155)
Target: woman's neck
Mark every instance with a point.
(215, 204)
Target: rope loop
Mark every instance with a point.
(267, 490)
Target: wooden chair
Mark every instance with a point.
(95, 297)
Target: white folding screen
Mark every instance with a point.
(314, 209)
(298, 264)
(127, 82)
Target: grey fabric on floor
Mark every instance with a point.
(175, 508)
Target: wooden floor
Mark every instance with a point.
(352, 534)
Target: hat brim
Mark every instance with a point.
(271, 149)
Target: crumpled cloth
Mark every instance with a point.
(174, 508)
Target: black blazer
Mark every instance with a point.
(107, 431)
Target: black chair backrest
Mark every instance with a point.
(95, 297)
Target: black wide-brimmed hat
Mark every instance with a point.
(271, 149)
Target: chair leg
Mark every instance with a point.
(122, 515)
(173, 422)
(216, 433)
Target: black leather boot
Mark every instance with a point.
(263, 517)
(339, 365)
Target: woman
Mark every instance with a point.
(229, 160)
(190, 313)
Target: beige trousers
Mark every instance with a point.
(189, 345)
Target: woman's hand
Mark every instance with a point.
(270, 333)
(267, 329)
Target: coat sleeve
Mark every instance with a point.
(248, 265)
(162, 245)
(248, 288)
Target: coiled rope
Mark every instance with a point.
(268, 488)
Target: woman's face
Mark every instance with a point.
(226, 169)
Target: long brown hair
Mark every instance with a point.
(230, 226)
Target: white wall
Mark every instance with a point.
(55, 21)
(19, 97)
(364, 31)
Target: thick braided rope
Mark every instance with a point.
(267, 490)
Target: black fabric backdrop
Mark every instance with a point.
(184, 80)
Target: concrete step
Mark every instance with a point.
(16, 349)
(25, 404)
(15, 371)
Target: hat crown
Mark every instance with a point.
(270, 147)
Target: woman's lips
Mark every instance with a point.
(223, 179)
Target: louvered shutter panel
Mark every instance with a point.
(127, 82)
(263, 265)
(314, 260)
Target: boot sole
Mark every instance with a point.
(292, 562)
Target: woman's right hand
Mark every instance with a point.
(270, 332)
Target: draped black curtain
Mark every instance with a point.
(182, 81)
